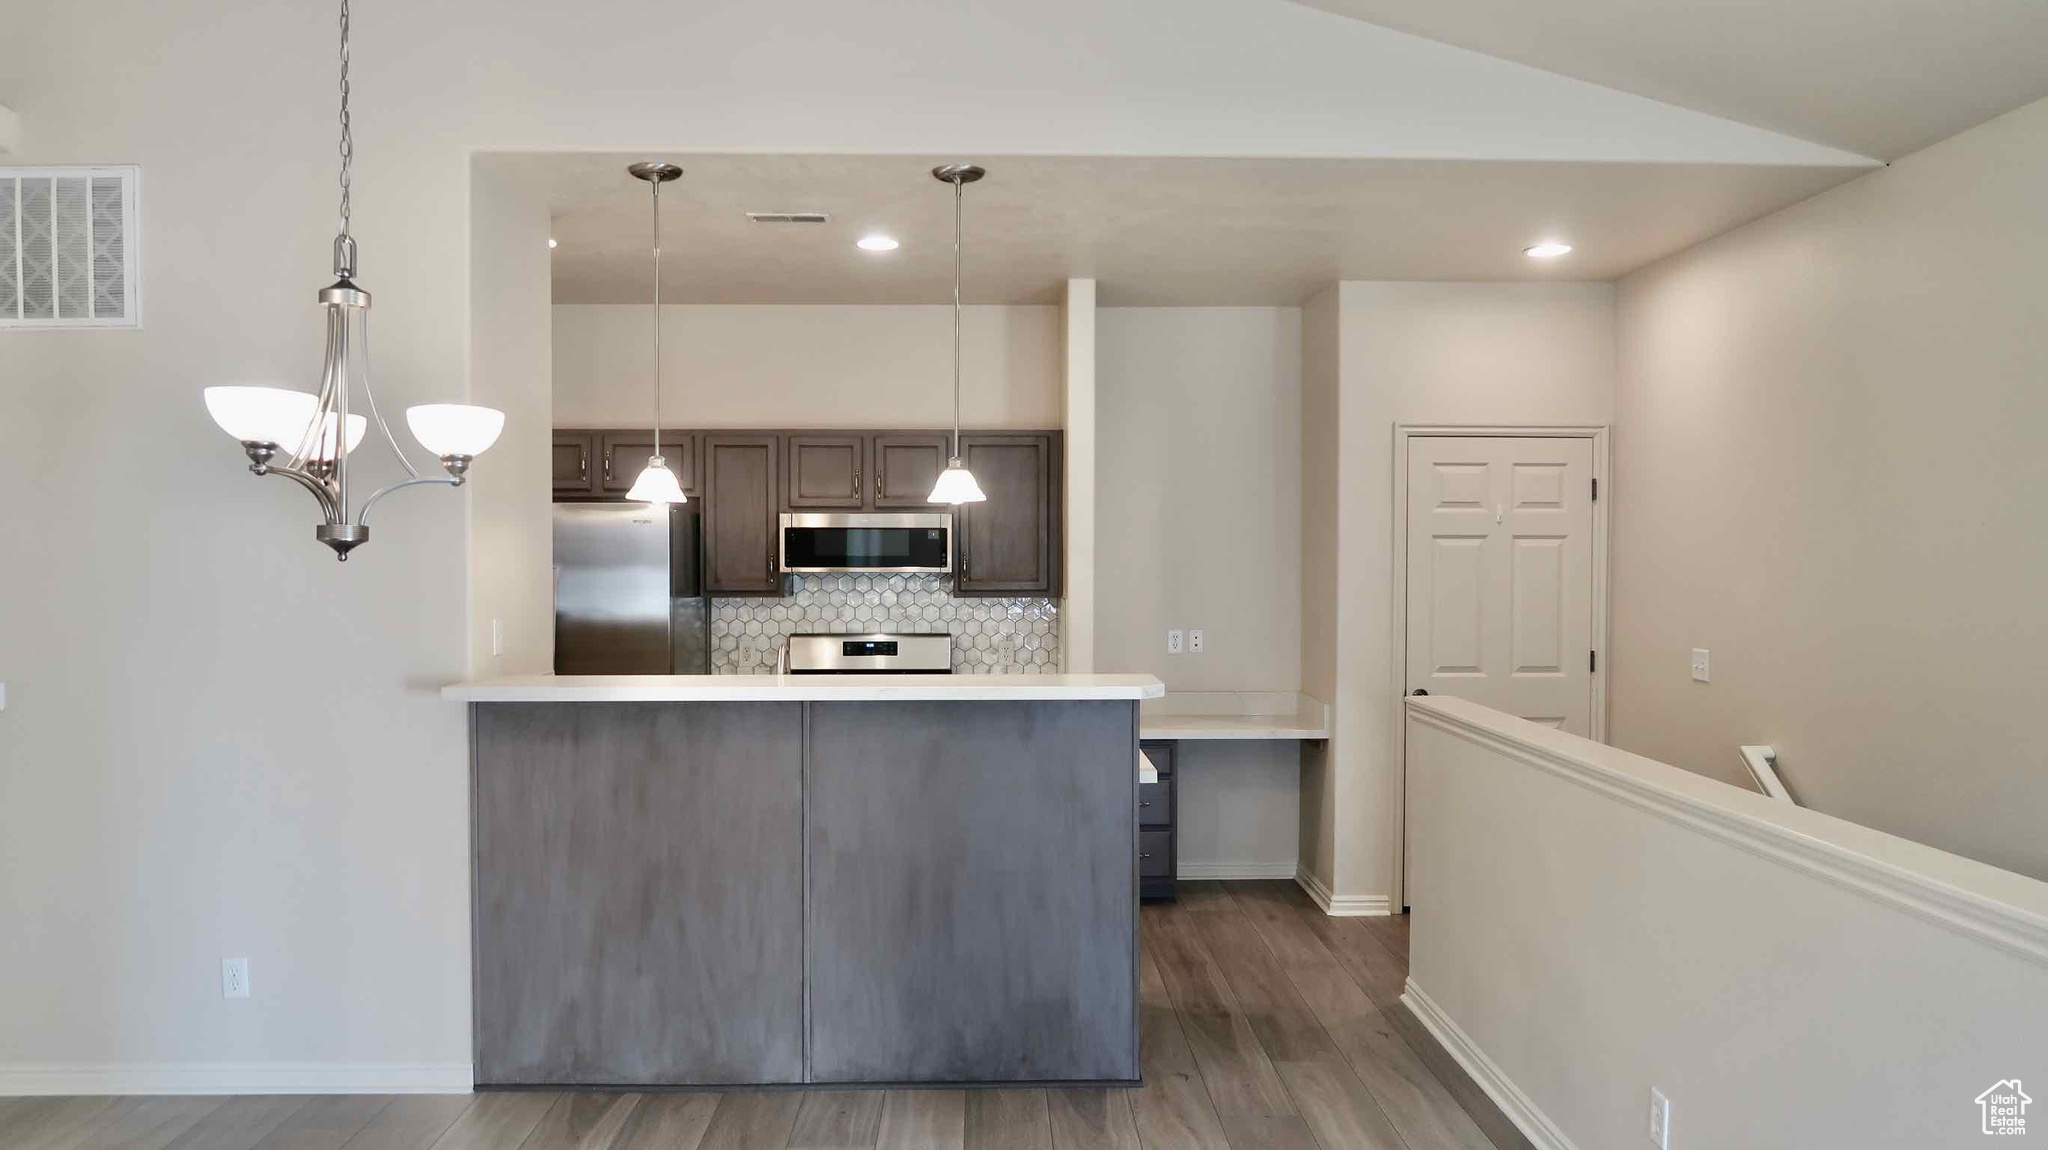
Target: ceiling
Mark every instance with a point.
(1168, 232)
(1878, 77)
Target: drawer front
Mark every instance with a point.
(1155, 803)
(1155, 854)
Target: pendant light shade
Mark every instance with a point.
(324, 449)
(656, 484)
(455, 428)
(262, 414)
(956, 484)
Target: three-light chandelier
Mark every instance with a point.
(315, 432)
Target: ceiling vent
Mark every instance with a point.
(70, 247)
(788, 217)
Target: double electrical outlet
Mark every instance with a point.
(1178, 641)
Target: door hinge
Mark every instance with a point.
(1592, 660)
(1596, 489)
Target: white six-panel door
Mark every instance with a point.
(1500, 574)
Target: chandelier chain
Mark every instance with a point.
(348, 141)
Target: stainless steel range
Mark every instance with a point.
(876, 653)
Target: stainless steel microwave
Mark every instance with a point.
(919, 541)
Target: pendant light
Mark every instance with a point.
(266, 419)
(657, 484)
(956, 484)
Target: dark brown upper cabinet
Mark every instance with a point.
(1009, 543)
(742, 497)
(906, 464)
(625, 456)
(575, 458)
(827, 472)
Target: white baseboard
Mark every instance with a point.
(1347, 906)
(1215, 870)
(239, 1078)
(1537, 1127)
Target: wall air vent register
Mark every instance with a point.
(70, 247)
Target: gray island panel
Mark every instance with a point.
(639, 900)
(972, 909)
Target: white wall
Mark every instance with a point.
(1829, 474)
(1321, 611)
(1198, 494)
(1198, 481)
(511, 540)
(174, 785)
(1079, 416)
(1595, 924)
(1437, 353)
(807, 365)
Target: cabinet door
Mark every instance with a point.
(906, 465)
(741, 501)
(1009, 543)
(639, 893)
(826, 471)
(575, 452)
(626, 452)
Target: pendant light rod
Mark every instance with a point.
(958, 175)
(957, 209)
(656, 484)
(956, 484)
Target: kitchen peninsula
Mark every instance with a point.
(747, 879)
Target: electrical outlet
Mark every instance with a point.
(3, 696)
(1195, 642)
(1660, 1119)
(234, 978)
(1006, 651)
(1699, 664)
(497, 637)
(1173, 642)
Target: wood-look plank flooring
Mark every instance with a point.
(1266, 1026)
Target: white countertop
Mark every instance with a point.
(1234, 715)
(799, 688)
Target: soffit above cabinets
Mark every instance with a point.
(1172, 231)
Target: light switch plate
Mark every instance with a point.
(497, 637)
(1660, 1120)
(1699, 664)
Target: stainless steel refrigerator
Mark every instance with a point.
(629, 590)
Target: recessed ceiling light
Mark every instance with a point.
(551, 243)
(877, 243)
(1547, 250)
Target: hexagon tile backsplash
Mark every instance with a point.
(990, 636)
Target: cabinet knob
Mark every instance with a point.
(583, 464)
(1143, 805)
(1144, 854)
(607, 466)
(856, 483)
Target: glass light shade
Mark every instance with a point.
(657, 484)
(455, 428)
(325, 449)
(956, 485)
(262, 414)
